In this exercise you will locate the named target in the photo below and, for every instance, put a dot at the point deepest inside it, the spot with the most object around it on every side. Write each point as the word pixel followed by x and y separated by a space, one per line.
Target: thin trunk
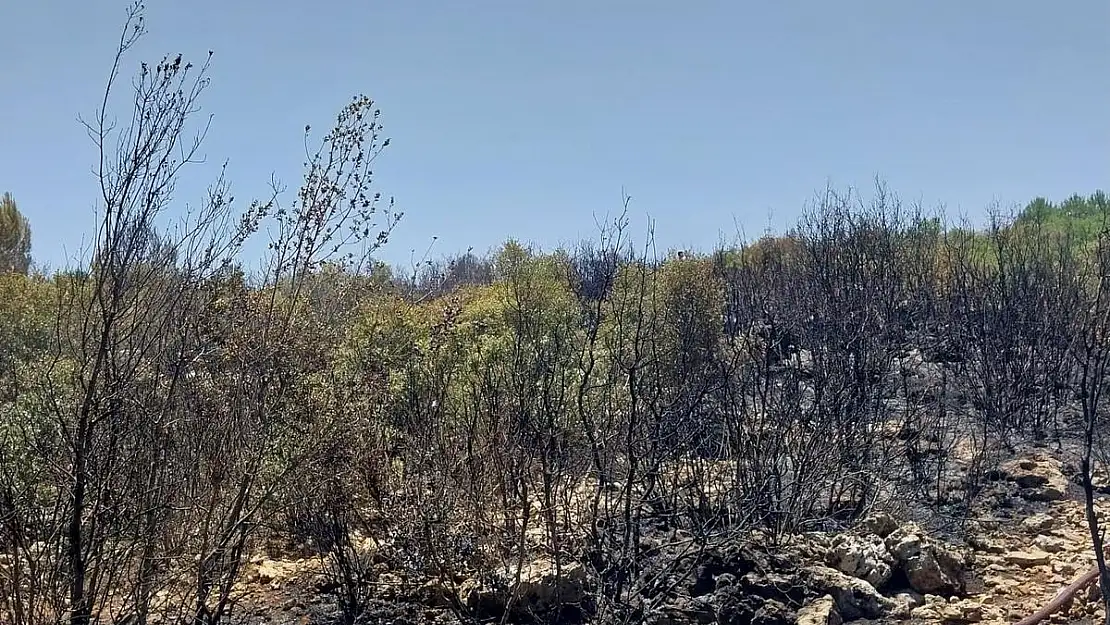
pixel 79 610
pixel 1091 397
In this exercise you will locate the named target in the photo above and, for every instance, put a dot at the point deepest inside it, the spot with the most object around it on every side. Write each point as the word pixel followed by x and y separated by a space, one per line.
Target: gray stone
pixel 820 611
pixel 1040 477
pixel 854 597
pixel 865 557
pixel 930 567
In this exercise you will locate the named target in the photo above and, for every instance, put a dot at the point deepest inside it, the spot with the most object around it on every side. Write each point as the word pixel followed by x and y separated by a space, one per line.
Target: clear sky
pixel 527 118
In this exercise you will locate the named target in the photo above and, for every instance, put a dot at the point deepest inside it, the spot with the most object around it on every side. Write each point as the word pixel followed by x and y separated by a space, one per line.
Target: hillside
pixel 875 416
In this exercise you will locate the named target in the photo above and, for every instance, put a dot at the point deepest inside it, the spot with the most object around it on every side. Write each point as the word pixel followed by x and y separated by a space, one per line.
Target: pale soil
pixel 1021 557
pixel 1025 560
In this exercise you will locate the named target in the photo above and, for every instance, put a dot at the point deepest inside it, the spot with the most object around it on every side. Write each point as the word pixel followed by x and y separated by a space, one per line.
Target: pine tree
pixel 15 238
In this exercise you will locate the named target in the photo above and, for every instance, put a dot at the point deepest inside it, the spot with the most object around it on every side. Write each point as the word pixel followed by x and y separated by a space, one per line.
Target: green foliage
pixel 387 336
pixel 1082 217
pixel 27 316
pixel 15 237
pixel 693 305
pixel 499 392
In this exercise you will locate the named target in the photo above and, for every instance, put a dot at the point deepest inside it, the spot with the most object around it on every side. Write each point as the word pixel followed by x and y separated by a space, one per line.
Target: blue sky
pixel 526 119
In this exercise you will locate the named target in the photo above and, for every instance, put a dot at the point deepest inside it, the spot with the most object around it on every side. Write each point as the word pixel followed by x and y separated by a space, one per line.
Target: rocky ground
pixel 1025 542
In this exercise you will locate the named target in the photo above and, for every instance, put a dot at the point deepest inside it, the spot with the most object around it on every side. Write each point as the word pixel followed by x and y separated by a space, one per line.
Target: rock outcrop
pixel 854 597
pixel 884 549
pixel 820 611
pixel 1039 476
pixel 539 588
pixel 865 557
pixel 930 567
